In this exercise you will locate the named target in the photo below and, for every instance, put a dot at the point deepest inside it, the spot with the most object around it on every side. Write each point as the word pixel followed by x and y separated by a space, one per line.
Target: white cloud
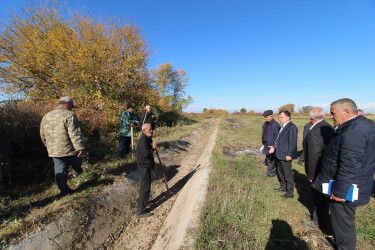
pixel 331 96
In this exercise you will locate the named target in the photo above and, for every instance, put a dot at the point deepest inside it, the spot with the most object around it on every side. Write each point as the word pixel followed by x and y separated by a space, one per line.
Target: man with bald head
pixel 145 162
pixel 317 138
pixel 348 159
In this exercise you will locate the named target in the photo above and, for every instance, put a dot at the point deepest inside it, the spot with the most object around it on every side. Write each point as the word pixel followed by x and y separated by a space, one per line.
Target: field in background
pixel 243 212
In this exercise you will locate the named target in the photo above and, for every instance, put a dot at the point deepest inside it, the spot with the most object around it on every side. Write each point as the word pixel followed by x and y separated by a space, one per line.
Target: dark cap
pixel 129 106
pixel 65 100
pixel 267 113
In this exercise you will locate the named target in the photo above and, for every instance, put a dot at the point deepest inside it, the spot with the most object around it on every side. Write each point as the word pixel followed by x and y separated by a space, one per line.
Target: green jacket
pixel 61 133
pixel 125 120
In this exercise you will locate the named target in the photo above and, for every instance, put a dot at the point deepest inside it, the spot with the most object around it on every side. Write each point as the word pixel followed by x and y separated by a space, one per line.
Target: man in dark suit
pixel 348 159
pixel 361 112
pixel 306 130
pixel 317 138
pixel 270 130
pixel 285 149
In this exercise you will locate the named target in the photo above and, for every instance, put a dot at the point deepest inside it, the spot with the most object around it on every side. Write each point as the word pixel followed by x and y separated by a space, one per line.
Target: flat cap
pixel 129 106
pixel 66 99
pixel 267 113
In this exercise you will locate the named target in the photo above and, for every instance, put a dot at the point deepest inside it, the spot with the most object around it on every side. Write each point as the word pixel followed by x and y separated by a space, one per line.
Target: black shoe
pixel 279 190
pixel 143 215
pixel 269 176
pixel 69 191
pixel 310 224
pixel 151 205
pixel 286 196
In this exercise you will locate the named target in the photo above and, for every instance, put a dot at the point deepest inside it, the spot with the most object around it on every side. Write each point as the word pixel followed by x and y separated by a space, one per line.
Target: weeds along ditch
pixel 27 207
pixel 242 211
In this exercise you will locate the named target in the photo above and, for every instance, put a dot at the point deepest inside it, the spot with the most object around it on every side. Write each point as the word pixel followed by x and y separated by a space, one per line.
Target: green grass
pixel 243 212
pixel 32 210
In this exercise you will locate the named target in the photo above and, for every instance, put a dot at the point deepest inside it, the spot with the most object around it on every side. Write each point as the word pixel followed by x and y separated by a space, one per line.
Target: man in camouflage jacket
pixel 127 120
pixel 62 135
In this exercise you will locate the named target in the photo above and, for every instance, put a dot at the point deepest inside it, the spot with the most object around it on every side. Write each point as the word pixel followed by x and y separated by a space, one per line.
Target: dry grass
pixel 243 212
pixel 29 213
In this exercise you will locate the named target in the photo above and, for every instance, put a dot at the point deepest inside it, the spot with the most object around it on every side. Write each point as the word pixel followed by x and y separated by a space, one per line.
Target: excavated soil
pixel 108 221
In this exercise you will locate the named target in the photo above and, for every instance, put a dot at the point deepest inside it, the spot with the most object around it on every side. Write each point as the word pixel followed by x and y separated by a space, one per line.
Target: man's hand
pixel 288 158
pixel 272 149
pixel 333 197
pixel 310 180
pixel 154 145
pixel 81 153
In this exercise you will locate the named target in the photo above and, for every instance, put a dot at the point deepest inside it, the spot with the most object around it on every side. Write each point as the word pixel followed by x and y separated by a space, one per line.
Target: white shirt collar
pixel 315 123
pixel 285 123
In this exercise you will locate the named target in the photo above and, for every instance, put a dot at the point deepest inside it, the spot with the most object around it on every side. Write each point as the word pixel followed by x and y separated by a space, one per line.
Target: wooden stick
pixel 162 170
pixel 132 139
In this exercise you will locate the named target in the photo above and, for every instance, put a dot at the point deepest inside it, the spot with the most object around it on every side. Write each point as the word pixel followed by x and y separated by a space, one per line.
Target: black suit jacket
pixel 313 147
pixel 286 143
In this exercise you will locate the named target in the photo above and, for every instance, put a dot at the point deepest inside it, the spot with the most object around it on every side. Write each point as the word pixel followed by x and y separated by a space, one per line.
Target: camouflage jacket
pixel 125 120
pixel 61 133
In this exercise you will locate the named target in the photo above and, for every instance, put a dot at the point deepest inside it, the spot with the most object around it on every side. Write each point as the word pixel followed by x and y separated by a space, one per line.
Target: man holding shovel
pixel 145 162
pixel 127 121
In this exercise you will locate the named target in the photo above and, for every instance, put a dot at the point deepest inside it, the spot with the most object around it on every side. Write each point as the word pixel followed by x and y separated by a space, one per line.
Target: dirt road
pixel 108 220
pixel 175 216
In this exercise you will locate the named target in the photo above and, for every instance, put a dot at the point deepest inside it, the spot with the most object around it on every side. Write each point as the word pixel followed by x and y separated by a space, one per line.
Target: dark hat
pixel 267 113
pixel 65 100
pixel 129 106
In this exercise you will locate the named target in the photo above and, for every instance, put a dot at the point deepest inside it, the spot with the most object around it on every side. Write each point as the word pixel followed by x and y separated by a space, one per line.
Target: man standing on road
pixel 318 137
pixel 127 120
pixel 285 149
pixel 62 135
pixel 348 159
pixel 148 117
pixel 145 162
pixel 270 130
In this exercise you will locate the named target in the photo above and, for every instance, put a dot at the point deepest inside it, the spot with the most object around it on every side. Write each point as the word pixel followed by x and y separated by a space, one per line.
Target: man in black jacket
pixel 318 137
pixel 348 159
pixel 148 117
pixel 285 149
pixel 145 162
pixel 270 130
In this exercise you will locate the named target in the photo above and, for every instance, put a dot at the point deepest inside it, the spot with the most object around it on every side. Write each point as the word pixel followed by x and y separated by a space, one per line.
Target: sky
pixel 256 54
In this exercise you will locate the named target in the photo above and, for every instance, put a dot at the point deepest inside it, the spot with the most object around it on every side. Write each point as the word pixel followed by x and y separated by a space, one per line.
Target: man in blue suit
pixel 285 149
pixel 348 159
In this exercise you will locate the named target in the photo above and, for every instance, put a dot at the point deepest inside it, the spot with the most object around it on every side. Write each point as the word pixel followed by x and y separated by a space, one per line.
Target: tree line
pixel 49 51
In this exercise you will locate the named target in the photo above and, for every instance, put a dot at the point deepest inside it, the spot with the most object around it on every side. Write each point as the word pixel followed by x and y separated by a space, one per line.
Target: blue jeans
pixel 61 167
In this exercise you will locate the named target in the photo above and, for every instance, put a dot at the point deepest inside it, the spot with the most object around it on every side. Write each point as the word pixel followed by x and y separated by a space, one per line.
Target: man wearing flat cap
pixel 62 135
pixel 127 120
pixel 270 130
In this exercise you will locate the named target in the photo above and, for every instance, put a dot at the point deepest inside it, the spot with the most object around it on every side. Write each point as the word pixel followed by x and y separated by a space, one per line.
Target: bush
pixel 24 159
pixel 287 107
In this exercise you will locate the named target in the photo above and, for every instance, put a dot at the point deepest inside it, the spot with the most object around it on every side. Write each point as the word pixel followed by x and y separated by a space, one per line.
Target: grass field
pixel 243 212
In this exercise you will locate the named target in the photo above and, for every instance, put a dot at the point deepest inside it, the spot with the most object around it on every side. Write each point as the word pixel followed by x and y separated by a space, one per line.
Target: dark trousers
pixel 124 148
pixel 343 224
pixel 285 176
pixel 144 191
pixel 320 214
pixel 61 167
pixel 271 166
